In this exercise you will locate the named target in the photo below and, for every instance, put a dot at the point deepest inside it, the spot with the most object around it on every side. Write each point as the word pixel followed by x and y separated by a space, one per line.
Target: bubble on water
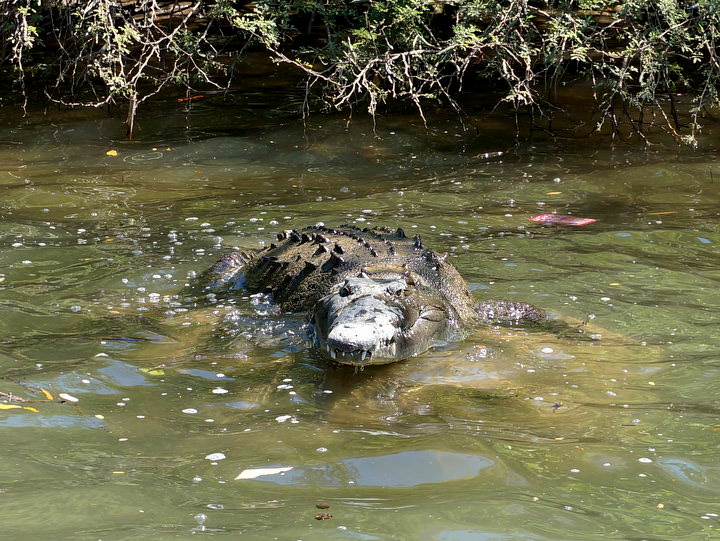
pixel 200 518
pixel 75 308
pixel 215 456
pixel 645 460
pixel 16 244
pixel 190 411
pixel 322 449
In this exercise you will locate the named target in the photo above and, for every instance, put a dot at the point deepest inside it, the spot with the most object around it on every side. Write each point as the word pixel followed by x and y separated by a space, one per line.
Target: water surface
pixel 512 434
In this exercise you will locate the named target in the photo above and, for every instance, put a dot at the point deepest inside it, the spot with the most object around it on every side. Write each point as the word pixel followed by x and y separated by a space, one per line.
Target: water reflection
pixel 406 469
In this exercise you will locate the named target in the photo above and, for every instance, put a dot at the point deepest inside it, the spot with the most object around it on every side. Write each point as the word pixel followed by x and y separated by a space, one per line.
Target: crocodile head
pixel 378 320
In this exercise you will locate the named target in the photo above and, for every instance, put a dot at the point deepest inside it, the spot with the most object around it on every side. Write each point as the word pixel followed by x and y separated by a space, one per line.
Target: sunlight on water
pixel 138 412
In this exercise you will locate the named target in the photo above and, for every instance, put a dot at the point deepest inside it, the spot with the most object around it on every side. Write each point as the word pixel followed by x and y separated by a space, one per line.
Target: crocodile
pixel 374 296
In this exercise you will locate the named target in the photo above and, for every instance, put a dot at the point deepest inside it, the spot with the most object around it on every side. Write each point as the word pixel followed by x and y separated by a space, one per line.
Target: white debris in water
pixel 190 411
pixel 219 390
pixel 605 299
pixel 283 418
pixel 253 473
pixel 191 219
pixel 645 460
pixel 322 449
pixel 547 350
pixel 27 262
pixel 215 456
pixel 75 308
pixel 68 397
pixel 16 244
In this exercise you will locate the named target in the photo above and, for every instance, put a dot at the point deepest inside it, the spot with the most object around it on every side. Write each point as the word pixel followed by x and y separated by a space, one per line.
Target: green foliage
pixel 638 54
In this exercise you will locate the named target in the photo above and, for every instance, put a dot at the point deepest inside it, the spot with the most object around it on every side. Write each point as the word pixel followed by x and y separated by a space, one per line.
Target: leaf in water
pixel 46 394
pixel 154 371
pixel 112 152
pixel 9 407
pixel 556 219
pixel 30 408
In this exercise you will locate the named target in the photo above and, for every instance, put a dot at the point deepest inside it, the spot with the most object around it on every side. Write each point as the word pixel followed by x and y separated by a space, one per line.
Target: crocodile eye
pixel 344 291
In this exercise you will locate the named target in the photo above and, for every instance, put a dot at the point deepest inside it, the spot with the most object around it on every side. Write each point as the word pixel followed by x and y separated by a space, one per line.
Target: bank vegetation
pixel 646 63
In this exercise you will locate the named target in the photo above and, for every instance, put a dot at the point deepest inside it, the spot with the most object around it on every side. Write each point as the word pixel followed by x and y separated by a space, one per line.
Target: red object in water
pixel 556 219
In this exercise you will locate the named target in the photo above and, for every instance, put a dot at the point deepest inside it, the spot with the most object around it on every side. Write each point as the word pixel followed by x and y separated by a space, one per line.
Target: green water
pixel 512 434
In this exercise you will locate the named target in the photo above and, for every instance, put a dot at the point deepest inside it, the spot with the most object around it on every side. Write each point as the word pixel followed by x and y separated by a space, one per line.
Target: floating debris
pixel 253 473
pixel 556 219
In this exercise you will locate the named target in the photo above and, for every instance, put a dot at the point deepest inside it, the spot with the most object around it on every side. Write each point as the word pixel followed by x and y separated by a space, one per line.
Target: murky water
pixel 511 434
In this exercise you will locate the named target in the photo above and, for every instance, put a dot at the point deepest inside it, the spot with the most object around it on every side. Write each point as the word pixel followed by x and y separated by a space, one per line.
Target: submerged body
pixel 375 296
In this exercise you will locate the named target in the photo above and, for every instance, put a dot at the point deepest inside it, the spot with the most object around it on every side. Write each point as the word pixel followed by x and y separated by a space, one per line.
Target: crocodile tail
pixel 509 312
